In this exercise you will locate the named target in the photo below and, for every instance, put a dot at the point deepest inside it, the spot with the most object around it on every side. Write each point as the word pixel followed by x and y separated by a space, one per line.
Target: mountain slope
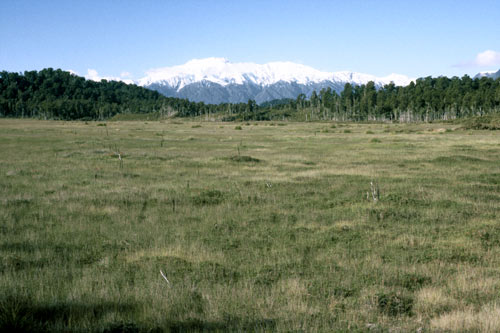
pixel 491 75
pixel 216 80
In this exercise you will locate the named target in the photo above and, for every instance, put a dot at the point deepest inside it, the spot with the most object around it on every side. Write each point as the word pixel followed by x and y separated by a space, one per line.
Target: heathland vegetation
pixel 263 226
pixel 55 94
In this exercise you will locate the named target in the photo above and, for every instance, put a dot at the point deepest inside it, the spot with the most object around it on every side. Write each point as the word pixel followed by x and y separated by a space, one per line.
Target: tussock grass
pixel 487 319
pixel 432 301
pixel 278 238
pixel 244 158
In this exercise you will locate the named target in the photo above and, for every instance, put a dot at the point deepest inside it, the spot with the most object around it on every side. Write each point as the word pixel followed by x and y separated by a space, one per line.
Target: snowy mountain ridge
pixel 488 74
pixel 221 71
pixel 217 80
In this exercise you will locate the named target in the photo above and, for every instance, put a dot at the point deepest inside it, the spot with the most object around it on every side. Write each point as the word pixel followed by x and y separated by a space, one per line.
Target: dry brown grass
pixel 431 301
pixel 487 319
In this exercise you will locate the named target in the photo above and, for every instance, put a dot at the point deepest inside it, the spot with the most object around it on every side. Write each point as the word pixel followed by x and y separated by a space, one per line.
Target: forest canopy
pixel 56 94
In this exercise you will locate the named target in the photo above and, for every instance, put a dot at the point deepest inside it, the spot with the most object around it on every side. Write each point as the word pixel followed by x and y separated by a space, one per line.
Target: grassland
pixel 265 227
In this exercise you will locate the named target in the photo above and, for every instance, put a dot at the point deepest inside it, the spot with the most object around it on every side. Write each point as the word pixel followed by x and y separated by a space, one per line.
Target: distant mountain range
pixel 216 80
pixel 491 75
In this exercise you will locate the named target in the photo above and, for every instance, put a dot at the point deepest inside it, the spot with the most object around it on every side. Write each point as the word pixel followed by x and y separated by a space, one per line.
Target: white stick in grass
pixel 164 276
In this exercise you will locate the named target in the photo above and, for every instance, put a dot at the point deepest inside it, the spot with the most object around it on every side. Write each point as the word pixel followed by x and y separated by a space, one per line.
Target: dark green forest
pixel 56 94
pixel 427 99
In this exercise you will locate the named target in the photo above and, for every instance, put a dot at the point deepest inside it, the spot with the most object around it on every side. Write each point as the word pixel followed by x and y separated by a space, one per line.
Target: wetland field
pixel 259 226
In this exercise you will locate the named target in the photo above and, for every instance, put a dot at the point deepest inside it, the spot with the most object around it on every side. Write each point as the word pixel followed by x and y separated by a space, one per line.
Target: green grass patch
pixel 244 158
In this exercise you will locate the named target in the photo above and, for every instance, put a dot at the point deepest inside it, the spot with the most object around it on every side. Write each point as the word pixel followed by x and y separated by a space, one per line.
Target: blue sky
pixel 127 38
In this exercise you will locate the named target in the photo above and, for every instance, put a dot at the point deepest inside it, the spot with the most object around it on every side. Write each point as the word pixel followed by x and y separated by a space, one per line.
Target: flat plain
pixel 257 226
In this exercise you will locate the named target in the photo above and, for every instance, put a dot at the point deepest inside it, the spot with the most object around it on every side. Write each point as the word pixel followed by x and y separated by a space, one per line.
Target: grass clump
pixel 410 281
pixel 432 301
pixel 239 128
pixel 18 315
pixel 122 327
pixel 244 158
pixel 395 303
pixel 208 197
pixel 486 319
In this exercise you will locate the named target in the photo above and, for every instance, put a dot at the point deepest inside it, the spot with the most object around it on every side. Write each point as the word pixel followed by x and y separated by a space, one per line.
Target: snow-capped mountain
pixel 492 74
pixel 216 80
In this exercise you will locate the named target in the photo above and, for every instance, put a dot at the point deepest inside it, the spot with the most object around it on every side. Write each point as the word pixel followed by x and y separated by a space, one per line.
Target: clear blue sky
pixel 415 38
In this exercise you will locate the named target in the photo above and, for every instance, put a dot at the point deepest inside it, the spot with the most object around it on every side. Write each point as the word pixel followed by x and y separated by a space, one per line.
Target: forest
pixel 56 94
pixel 425 100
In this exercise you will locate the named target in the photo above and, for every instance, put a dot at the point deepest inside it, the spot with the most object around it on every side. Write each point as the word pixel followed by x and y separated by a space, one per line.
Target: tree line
pixel 426 99
pixel 56 94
